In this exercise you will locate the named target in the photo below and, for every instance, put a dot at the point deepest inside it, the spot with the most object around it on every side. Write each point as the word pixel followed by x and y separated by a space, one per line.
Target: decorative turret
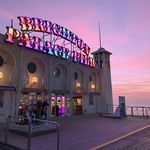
pixel 102 60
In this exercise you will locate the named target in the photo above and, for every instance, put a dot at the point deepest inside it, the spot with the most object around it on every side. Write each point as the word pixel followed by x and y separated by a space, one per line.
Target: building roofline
pixel 101 50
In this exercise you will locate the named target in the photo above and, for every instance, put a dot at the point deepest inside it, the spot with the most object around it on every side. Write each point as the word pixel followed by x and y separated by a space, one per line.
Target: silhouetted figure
pixel 57 110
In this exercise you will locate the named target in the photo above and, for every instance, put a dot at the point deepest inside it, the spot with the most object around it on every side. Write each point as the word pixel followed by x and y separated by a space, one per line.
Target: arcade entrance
pixel 30 95
pixel 77 105
pixel 60 105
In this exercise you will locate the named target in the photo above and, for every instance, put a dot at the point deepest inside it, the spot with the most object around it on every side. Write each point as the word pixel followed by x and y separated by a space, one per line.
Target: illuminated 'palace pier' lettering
pixel 34 24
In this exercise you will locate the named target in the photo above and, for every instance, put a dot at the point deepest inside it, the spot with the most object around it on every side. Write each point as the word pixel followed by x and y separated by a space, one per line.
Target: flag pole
pixel 99 34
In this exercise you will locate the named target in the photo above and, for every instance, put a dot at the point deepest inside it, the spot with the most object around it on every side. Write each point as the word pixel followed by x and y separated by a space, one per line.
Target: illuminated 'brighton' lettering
pixel 35 24
pixel 24 39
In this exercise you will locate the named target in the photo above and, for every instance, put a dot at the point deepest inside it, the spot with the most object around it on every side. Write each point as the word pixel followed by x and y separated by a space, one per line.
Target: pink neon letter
pixel 36 43
pixel 11 34
pixel 76 56
pixel 26 23
pixel 80 43
pixel 38 25
pixel 86 49
pixel 56 29
pixel 25 40
pixel 48 26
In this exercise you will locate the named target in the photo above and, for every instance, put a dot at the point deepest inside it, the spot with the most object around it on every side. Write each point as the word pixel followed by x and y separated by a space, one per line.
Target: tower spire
pixel 11 23
pixel 99 34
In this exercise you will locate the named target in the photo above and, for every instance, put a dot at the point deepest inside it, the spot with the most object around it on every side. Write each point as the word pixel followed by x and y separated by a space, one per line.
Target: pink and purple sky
pixel 125 31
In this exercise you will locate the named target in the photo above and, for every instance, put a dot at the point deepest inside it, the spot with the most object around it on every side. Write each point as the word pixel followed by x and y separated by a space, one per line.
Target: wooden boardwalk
pixel 136 141
pixel 81 133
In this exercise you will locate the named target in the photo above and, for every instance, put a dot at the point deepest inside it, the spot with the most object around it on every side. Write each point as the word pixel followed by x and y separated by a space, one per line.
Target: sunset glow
pixel 124 31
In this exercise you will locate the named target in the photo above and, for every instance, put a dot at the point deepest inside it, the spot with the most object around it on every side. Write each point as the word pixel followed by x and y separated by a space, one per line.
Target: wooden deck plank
pixel 137 141
pixel 83 133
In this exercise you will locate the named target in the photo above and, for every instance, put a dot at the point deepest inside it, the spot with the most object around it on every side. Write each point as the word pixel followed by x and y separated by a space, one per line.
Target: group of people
pixel 35 110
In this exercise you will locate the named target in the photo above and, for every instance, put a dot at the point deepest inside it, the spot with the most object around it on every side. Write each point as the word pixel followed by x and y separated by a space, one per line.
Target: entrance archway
pixel 77 105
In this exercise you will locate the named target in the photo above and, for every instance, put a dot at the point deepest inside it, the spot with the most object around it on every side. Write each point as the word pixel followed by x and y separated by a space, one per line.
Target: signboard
pixel 36 25
pixel 7 88
pixel 122 106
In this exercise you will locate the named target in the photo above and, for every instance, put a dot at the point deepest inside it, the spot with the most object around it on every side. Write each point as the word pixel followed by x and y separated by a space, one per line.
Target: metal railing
pixel 30 123
pixel 140 111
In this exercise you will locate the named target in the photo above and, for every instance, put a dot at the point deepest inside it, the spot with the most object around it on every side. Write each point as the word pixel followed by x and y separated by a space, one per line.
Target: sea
pixel 129 102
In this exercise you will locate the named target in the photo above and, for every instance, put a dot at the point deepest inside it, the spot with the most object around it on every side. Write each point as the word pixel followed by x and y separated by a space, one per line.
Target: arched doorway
pixel 77 105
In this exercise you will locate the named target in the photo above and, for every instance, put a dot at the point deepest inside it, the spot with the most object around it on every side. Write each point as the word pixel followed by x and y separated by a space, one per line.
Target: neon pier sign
pixel 79 51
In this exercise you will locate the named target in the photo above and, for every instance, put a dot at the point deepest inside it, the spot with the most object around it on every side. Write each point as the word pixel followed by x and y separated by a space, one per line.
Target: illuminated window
pixel 78 84
pixel 1 61
pixel 1 75
pixel 32 67
pixel 93 86
pixel 34 80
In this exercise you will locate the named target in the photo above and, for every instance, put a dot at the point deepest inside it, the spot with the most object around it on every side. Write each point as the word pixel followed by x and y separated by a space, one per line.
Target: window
pixel 57 72
pixel 78 85
pixel 93 87
pixel 75 76
pixel 90 78
pixel 108 64
pixel 101 63
pixel 91 99
pixel 1 99
pixel 1 61
pixel 32 67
